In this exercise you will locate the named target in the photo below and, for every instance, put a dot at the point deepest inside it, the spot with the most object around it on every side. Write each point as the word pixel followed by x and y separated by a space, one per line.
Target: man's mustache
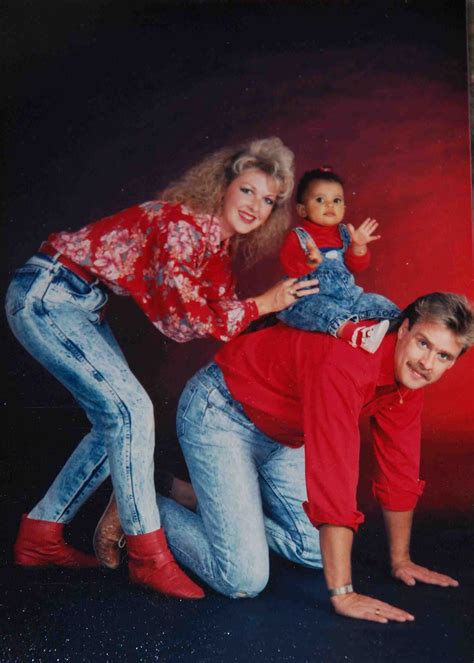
pixel 419 369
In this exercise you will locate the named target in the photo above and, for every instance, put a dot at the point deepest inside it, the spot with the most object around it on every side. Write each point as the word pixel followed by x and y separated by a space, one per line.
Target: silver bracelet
pixel 339 591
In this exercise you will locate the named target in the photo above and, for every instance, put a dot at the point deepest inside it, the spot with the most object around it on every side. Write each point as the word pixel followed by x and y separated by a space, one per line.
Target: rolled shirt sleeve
pixel 396 431
pixel 331 407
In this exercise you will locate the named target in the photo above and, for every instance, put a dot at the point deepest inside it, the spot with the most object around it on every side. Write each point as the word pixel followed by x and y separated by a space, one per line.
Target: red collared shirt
pixel 294 260
pixel 171 261
pixel 305 387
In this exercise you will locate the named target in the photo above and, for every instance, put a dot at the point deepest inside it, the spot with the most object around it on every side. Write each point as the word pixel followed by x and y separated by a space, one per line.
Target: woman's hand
pixel 283 294
pixel 359 606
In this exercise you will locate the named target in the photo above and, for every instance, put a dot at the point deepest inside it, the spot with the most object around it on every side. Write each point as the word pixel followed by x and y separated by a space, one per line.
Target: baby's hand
pixel 364 233
pixel 313 256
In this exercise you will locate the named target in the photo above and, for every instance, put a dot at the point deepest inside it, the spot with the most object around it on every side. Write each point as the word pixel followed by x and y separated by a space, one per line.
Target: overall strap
pixel 304 238
pixel 345 236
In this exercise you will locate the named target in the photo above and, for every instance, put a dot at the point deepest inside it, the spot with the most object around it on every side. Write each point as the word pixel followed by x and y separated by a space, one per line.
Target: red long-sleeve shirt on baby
pixel 294 259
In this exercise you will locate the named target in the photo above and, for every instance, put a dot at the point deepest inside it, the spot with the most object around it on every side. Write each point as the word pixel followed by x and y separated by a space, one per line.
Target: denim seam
pixel 376 313
pixel 218 574
pixel 221 570
pixel 79 356
pixel 288 509
pixel 241 422
pixel 84 484
pixel 179 553
pixel 225 565
pixel 33 273
pixel 286 538
pixel 230 403
pixel 216 580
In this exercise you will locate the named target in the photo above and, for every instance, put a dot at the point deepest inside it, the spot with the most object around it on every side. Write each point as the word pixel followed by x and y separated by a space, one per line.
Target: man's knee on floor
pixel 246 582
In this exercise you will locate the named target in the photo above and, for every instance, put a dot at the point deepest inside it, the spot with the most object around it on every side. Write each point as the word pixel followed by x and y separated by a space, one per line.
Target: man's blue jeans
pixel 56 316
pixel 250 491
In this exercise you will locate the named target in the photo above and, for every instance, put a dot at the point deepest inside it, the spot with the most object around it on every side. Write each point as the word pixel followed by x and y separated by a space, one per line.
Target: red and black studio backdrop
pixel 393 120
pixel 106 107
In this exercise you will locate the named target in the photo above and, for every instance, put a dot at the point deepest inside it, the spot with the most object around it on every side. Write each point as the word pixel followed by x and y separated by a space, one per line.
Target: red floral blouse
pixel 171 261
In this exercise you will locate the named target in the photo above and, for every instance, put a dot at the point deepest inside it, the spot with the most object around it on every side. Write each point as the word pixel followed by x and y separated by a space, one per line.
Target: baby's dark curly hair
pixel 324 173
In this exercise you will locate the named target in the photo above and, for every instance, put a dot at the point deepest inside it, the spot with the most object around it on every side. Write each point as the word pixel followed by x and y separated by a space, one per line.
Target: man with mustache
pixel 272 427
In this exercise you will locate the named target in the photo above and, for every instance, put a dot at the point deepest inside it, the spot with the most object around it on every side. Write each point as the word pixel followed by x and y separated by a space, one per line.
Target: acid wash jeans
pixel 339 299
pixel 56 316
pixel 250 491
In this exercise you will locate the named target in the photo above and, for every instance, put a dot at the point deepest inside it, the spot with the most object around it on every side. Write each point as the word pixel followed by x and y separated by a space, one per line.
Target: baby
pixel 323 247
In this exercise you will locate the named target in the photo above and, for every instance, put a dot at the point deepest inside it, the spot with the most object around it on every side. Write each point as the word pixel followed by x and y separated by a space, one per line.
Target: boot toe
pixel 151 564
pixel 40 543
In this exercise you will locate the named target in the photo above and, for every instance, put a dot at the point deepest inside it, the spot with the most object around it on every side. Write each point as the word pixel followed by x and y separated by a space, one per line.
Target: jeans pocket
pixel 231 409
pixel 68 282
pixel 199 409
pixel 19 288
pixel 186 410
pixel 68 289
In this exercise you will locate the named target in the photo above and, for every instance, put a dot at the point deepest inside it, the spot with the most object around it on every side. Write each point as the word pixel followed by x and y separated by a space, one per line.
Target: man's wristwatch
pixel 339 591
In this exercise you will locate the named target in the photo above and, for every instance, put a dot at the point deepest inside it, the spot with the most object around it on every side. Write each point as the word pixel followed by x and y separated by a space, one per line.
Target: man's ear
pixel 301 210
pixel 402 330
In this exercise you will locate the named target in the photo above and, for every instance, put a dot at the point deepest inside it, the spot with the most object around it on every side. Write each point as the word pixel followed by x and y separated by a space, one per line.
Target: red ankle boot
pixel 41 543
pixel 151 563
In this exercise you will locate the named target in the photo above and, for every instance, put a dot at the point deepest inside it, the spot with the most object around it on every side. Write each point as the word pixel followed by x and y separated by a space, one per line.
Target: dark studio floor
pixel 97 615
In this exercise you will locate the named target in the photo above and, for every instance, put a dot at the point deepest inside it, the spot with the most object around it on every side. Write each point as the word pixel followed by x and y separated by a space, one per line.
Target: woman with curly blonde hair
pixel 202 187
pixel 173 256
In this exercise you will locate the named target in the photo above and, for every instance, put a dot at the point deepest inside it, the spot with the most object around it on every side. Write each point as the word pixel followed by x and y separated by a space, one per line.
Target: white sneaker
pixel 370 338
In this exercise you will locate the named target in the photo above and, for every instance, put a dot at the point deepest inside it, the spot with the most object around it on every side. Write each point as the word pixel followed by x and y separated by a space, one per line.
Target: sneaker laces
pixel 365 333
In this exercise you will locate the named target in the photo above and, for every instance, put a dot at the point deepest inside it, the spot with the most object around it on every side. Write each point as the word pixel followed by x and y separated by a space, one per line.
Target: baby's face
pixel 323 203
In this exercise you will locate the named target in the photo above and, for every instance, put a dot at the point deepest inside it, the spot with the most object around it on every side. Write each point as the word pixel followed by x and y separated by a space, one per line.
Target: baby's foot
pixel 369 337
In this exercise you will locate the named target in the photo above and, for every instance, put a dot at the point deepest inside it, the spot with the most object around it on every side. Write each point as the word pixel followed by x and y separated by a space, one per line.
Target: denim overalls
pixel 56 316
pixel 339 298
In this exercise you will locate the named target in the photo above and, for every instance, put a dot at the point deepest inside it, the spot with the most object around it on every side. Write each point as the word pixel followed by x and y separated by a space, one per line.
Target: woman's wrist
pixel 261 304
pixel 254 310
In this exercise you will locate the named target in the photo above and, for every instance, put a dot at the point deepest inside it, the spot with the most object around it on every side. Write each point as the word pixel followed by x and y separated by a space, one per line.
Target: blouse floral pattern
pixel 171 261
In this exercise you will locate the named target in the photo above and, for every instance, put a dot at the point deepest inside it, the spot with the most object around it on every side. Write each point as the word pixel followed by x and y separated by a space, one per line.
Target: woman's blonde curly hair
pixel 203 186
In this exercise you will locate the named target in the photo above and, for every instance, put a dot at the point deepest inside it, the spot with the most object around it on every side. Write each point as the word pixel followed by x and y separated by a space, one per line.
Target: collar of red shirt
pixel 325 233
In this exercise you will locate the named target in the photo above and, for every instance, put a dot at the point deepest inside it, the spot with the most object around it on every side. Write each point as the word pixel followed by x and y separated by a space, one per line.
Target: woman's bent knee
pixel 143 409
pixel 128 409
